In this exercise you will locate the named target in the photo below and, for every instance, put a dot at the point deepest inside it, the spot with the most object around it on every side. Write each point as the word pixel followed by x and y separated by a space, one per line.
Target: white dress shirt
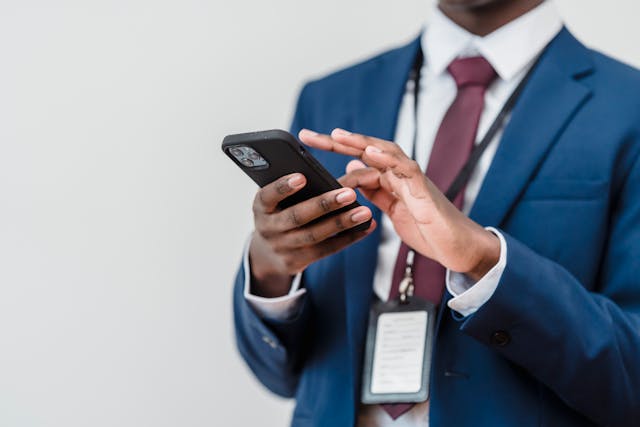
pixel 511 50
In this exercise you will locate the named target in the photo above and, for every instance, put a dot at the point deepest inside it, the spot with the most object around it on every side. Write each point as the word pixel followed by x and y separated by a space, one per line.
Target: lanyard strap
pixel 463 176
pixel 406 287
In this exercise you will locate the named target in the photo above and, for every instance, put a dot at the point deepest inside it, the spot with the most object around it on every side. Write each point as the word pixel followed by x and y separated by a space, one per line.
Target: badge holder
pixel 397 360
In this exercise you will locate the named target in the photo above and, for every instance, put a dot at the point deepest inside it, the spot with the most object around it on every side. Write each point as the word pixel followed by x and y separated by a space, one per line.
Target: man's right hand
pixel 284 243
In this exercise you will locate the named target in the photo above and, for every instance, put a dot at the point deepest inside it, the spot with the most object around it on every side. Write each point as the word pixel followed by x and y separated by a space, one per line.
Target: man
pixel 539 322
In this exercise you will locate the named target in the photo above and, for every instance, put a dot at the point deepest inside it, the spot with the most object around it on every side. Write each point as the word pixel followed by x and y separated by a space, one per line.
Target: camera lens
pixel 254 155
pixel 236 152
pixel 247 162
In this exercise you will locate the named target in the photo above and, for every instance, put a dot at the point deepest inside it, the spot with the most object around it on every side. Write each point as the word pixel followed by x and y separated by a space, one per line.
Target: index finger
pixel 348 143
pixel 327 143
pixel 270 195
pixel 366 143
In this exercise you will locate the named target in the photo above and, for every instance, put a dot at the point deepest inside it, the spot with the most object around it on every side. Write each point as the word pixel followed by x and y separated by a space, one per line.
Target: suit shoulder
pixel 616 76
pixel 616 88
pixel 345 79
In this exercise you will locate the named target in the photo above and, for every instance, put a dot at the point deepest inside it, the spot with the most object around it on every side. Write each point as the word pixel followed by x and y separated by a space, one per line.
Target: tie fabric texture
pixel 451 149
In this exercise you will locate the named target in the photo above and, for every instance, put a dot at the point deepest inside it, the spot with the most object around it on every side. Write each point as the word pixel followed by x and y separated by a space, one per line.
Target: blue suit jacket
pixel 564 188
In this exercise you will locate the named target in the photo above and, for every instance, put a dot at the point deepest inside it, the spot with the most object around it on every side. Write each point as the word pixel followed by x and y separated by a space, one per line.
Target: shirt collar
pixel 509 49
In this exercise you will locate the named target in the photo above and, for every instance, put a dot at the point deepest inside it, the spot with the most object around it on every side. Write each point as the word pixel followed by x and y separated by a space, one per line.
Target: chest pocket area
pixel 565 189
pixel 564 220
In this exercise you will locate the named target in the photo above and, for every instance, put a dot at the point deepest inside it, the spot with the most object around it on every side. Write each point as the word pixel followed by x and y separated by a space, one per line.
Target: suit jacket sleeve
pixel 273 349
pixel 542 318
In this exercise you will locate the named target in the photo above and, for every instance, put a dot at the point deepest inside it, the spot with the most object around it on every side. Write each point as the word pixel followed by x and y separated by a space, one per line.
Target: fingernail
pixel 341 132
pixel 295 181
pixel 360 216
pixel 372 149
pixel 308 132
pixel 345 196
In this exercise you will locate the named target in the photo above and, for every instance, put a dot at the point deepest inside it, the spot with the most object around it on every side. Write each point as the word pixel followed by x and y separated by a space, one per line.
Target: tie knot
pixel 473 71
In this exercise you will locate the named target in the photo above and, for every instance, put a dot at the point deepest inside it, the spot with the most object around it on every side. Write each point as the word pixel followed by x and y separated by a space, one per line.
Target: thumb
pixel 355 165
pixel 364 178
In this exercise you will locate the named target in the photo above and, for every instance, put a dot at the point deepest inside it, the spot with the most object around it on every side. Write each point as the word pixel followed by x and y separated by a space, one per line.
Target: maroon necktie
pixel 451 149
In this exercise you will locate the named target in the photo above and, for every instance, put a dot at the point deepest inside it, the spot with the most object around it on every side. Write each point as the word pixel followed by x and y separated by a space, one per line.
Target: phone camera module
pixel 248 157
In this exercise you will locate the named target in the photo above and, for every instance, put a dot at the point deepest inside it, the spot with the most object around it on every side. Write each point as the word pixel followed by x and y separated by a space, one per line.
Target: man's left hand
pixel 422 216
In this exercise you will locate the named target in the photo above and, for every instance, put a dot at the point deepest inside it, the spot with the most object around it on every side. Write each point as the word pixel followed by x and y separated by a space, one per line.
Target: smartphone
pixel 268 155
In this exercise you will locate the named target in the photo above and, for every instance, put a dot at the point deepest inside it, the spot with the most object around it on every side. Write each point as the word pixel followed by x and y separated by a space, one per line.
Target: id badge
pixel 397 362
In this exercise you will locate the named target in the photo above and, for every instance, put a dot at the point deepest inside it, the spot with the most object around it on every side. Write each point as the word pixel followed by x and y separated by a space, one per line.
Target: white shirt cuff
pixel 469 296
pixel 279 308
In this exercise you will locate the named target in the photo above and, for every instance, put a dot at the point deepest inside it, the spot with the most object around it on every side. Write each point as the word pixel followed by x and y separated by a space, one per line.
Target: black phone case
pixel 285 155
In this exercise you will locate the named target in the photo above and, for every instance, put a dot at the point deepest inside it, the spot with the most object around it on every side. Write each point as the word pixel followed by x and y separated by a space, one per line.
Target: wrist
pixel 489 255
pixel 271 286
pixel 266 281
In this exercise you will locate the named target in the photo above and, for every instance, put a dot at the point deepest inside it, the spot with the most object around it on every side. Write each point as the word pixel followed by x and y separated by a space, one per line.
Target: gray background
pixel 121 224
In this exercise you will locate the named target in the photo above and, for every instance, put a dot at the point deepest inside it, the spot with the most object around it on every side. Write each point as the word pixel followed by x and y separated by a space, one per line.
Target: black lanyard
pixel 406 287
pixel 465 173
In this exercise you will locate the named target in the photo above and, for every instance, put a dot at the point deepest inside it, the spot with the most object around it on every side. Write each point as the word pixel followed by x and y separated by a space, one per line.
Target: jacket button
pixel 500 338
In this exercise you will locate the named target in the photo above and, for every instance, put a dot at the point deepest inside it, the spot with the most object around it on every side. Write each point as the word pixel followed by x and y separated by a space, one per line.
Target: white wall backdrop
pixel 121 223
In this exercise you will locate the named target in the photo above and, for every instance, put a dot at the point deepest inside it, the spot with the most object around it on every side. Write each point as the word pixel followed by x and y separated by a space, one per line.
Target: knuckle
pixel 258 202
pixel 400 157
pixel 282 187
pixel 294 218
pixel 339 223
pixel 393 149
pixel 264 226
pixel 305 238
pixel 281 222
pixel 325 204
pixel 261 228
pixel 309 237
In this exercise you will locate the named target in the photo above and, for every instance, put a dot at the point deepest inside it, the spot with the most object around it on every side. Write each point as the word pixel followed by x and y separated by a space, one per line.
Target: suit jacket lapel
pixel 378 98
pixel 552 96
